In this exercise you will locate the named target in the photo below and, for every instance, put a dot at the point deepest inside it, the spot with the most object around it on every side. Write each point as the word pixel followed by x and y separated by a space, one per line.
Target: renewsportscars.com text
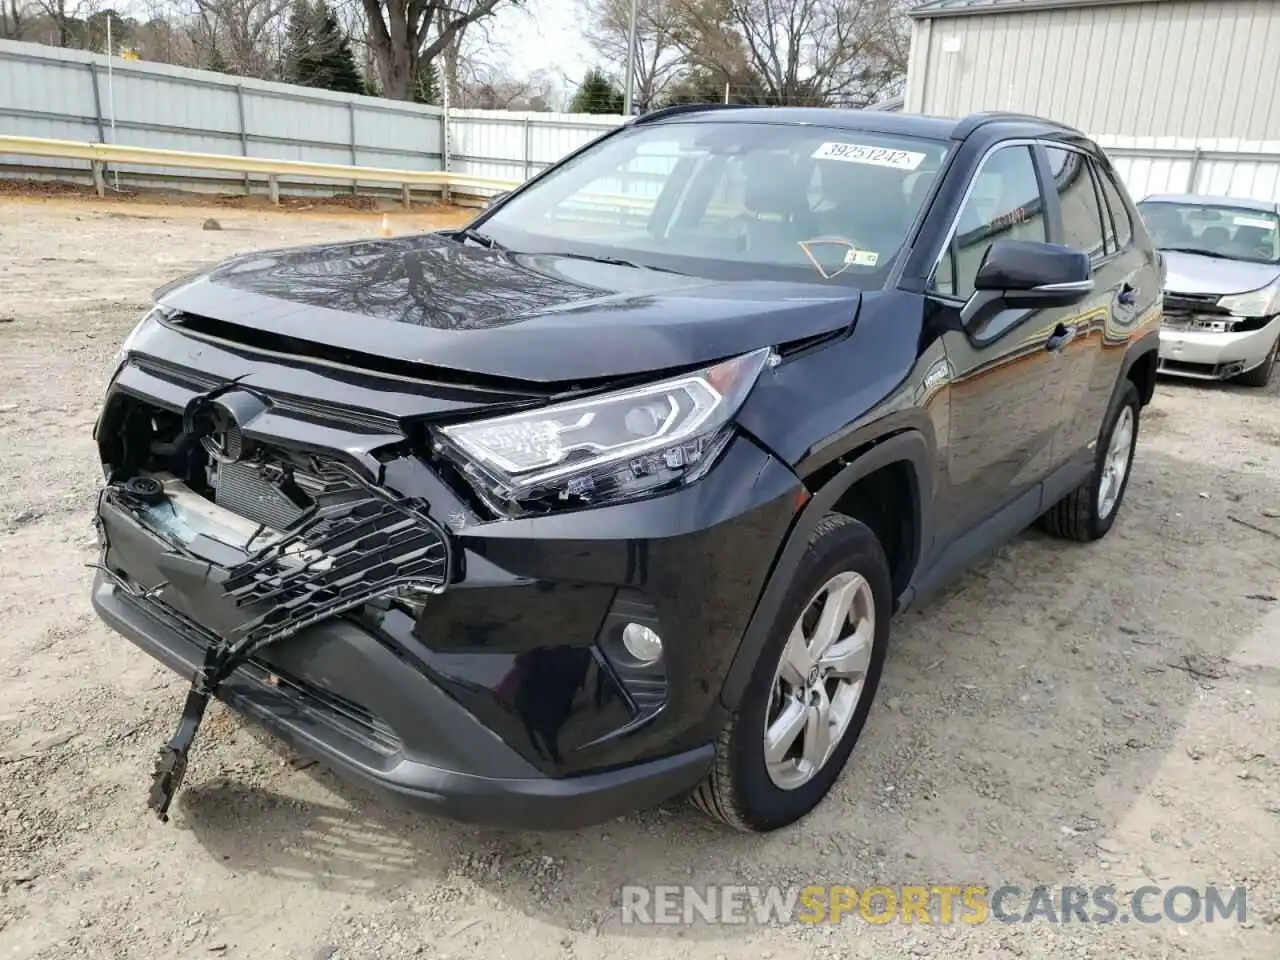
pixel 930 904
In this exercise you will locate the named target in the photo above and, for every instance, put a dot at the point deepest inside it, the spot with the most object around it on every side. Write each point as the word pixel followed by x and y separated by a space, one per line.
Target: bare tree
pixel 247 34
pixel 403 34
pixel 835 52
pixel 494 88
pixel 67 16
pixel 163 36
pixel 13 19
pixel 659 56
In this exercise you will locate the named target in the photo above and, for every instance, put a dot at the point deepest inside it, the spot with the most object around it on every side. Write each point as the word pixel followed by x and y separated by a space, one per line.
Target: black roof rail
pixel 973 121
pixel 676 109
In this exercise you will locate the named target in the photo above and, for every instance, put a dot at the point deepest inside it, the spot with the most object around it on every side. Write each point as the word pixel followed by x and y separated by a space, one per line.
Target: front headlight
pixel 127 344
pixel 1255 303
pixel 609 447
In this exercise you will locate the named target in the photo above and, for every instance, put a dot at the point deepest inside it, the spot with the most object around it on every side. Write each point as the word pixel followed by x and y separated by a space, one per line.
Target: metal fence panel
pixel 514 145
pixel 74 95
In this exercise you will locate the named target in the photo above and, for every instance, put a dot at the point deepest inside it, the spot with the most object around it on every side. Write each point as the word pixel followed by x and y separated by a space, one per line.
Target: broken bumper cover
pixel 501 698
pixel 474 778
pixel 1215 356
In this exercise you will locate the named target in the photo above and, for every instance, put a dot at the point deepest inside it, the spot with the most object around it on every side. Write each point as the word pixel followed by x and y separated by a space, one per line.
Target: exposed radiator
pixel 243 490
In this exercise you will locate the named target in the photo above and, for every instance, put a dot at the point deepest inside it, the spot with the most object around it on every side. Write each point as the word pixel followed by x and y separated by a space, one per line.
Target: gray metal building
pixel 1186 69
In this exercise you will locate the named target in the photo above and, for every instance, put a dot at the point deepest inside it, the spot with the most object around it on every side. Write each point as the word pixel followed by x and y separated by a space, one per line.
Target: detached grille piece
pixel 341 556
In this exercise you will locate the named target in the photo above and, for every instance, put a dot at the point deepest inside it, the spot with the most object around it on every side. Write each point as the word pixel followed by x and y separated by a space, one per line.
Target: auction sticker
pixel 861 258
pixel 871 156
pixel 1259 222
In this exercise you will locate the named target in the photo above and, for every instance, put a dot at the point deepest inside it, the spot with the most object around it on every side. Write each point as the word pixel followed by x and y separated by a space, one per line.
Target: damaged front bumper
pixel 1206 355
pixel 421 747
pixel 252 586
pixel 489 688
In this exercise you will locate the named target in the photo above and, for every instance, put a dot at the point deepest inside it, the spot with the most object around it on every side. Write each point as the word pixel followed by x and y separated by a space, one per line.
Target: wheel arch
pixel 908 448
pixel 1140 365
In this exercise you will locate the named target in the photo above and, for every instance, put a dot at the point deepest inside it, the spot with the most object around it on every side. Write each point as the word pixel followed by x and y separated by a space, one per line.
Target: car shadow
pixel 1021 715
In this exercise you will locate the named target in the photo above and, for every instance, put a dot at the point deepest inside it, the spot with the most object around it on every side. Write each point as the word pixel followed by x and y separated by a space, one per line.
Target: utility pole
pixel 631 62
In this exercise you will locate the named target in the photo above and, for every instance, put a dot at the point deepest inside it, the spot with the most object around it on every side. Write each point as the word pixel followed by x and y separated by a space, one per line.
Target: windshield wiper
pixel 475 236
pixel 1198 252
pixel 612 261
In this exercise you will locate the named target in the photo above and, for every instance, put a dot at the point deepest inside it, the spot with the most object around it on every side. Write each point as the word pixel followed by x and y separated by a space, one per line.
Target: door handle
pixel 1062 335
pixel 1128 295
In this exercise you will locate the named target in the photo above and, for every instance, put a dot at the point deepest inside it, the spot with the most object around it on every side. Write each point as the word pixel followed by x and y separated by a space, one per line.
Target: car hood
pixel 1192 273
pixel 434 301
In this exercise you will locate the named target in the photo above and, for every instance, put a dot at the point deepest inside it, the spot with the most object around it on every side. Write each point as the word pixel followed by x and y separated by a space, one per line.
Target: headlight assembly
pixel 1255 303
pixel 608 447
pixel 127 344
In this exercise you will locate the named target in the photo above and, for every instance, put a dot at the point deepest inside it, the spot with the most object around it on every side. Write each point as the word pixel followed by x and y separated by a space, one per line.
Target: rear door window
pixel 1082 214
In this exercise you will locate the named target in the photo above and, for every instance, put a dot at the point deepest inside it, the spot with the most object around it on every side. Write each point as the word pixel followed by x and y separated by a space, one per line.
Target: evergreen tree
pixel 597 94
pixel 341 73
pixel 300 56
pixel 427 87
pixel 317 52
pixel 217 63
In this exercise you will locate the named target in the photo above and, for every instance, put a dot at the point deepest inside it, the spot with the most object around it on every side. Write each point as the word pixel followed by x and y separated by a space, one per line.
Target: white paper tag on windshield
pixel 861 258
pixel 1253 222
pixel 872 156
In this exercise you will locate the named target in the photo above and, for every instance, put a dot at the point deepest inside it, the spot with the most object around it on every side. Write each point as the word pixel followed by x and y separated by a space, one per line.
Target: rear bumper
pixel 1215 356
pixel 510 793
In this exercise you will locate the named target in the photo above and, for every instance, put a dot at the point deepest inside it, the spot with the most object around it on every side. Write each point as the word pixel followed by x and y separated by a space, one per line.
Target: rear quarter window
pixel 1119 209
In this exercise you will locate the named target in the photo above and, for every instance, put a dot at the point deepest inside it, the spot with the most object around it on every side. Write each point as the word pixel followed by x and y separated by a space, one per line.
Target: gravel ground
pixel 1064 715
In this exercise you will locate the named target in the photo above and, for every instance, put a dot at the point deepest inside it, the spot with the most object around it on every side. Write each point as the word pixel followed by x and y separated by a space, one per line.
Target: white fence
pixel 1224 168
pixel 73 95
pixel 513 146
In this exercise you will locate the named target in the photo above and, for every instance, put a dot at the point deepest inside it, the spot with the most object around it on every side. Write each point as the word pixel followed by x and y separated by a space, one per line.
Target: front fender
pixel 908 446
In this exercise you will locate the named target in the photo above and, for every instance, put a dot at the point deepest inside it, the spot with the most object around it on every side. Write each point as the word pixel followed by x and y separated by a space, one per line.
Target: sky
pixel 545 36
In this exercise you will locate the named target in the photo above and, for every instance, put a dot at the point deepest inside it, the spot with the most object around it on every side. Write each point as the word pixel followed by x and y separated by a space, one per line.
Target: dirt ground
pixel 1064 715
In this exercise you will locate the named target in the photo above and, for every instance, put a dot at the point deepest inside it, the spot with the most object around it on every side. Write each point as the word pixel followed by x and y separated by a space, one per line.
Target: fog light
pixel 642 643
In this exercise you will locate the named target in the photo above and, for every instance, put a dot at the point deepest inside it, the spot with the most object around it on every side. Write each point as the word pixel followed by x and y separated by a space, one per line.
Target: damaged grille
pixel 340 557
pixel 1183 311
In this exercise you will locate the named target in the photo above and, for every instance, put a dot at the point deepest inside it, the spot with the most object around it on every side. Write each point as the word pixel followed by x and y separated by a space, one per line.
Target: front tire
pixel 1088 511
pixel 812 688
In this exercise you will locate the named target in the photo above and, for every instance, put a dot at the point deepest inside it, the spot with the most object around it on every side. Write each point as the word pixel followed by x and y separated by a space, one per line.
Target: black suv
pixel 609 496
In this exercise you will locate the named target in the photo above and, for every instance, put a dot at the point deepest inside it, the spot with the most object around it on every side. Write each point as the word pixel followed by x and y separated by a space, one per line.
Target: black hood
pixel 430 299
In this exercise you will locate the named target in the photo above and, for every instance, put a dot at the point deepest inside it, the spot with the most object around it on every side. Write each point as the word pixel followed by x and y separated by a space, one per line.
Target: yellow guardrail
pixel 101 154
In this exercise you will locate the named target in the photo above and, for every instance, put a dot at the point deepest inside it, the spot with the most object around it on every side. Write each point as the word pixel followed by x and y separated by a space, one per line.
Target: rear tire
pixel 800 691
pixel 1088 511
pixel 1260 375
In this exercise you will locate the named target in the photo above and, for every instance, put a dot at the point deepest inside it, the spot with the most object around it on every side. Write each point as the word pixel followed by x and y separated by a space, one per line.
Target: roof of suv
pixel 872 121
pixel 1204 200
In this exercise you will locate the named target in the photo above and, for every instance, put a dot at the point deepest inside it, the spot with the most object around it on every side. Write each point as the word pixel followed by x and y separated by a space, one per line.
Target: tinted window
pixel 1081 215
pixel 731 200
pixel 1218 229
pixel 1004 204
pixel 1119 209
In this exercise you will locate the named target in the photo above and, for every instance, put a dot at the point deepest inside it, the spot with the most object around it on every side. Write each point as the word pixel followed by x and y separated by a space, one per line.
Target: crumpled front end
pixel 278 533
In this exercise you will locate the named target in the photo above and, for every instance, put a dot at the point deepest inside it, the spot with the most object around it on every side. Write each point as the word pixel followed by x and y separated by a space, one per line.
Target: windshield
pixel 1235 233
pixel 731 200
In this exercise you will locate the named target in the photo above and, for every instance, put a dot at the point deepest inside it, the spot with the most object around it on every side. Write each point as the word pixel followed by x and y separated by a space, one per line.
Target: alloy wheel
pixel 1115 465
pixel 819 680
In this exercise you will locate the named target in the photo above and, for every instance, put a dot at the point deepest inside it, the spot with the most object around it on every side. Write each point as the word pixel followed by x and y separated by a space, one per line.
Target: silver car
pixel 1222 287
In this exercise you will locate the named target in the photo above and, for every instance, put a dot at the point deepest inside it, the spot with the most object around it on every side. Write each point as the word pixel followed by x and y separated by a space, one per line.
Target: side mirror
pixel 496 199
pixel 1028 274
